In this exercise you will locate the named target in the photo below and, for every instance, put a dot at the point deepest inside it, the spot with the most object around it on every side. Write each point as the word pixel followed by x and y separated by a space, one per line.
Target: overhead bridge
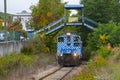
pixel 68 24
pixel 63 22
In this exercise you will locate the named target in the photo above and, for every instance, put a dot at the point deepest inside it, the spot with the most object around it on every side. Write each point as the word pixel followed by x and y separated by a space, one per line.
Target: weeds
pixel 94 65
pixel 8 62
pixel 29 49
pixel 104 52
pixel 86 74
pixel 104 66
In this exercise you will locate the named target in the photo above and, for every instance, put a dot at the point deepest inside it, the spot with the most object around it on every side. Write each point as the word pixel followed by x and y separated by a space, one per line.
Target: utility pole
pixel 5 11
pixel 5 20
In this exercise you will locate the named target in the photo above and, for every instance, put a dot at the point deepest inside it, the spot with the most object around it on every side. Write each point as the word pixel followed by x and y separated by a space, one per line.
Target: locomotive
pixel 69 49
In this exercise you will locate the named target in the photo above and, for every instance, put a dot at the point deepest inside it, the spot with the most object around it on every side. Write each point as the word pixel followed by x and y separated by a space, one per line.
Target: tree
pixel 16 26
pixel 1 22
pixel 46 12
pixel 102 10
pixel 104 34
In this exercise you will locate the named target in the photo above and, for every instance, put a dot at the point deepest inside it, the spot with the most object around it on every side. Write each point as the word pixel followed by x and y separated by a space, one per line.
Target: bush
pixel 97 62
pixel 29 49
pixel 86 53
pixel 12 61
pixel 89 72
pixel 104 34
pixel 86 74
pixel 100 62
pixel 104 52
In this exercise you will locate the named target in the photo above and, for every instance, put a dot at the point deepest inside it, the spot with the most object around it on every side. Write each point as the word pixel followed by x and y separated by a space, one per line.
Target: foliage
pixel 37 46
pixel 45 12
pixel 8 16
pixel 10 61
pixel 104 52
pixel 28 49
pixel 16 26
pixel 83 32
pixel 115 56
pixel 103 35
pixel 51 43
pixel 1 27
pixel 101 68
pixel 85 75
pixel 89 72
pixel 97 62
pixel 41 45
pixel 111 71
pixel 1 22
pixel 114 37
pixel 115 71
pixel 102 10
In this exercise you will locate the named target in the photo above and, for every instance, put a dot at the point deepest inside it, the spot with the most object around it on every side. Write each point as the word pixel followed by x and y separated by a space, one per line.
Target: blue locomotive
pixel 69 49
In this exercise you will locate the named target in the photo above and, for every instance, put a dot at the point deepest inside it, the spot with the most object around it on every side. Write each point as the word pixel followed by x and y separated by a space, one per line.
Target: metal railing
pixel 9 36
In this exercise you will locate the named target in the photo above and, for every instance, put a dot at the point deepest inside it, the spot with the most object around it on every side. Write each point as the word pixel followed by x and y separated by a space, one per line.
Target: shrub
pixel 26 60
pixel 86 53
pixel 104 34
pixel 97 62
pixel 100 62
pixel 104 52
pixel 116 55
pixel 28 49
pixel 89 72
pixel 12 61
pixel 85 74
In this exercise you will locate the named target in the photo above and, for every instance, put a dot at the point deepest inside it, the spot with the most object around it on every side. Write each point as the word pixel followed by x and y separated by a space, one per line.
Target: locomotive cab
pixel 69 49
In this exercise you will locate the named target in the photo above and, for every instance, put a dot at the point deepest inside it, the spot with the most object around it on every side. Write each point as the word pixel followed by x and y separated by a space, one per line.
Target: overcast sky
pixel 16 6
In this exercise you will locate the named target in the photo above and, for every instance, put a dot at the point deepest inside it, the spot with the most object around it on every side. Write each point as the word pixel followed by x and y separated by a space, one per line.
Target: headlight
pixel 68 34
pixel 61 55
pixel 75 54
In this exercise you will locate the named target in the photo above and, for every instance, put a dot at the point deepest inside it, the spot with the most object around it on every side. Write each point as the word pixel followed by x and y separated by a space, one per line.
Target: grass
pixel 8 62
pixel 19 64
pixel 102 68
pixel 112 70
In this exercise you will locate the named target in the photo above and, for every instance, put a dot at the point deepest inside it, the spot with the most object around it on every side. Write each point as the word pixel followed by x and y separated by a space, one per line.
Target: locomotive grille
pixel 67 57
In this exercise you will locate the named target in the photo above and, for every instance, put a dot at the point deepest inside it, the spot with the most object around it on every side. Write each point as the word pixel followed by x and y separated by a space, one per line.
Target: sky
pixel 16 6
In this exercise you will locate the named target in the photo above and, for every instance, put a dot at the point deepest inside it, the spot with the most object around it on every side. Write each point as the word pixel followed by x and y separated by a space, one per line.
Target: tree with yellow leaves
pixel 1 22
pixel 45 12
pixel 16 26
pixel 103 38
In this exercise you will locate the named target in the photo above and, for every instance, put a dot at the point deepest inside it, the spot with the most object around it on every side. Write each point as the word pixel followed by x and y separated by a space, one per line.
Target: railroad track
pixel 55 74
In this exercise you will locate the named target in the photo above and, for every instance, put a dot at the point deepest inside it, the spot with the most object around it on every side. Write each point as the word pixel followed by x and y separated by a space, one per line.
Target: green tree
pixel 104 34
pixel 102 10
pixel 46 12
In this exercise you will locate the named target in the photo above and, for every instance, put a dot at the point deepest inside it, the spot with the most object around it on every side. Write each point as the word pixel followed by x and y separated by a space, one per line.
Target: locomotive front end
pixel 69 57
pixel 69 49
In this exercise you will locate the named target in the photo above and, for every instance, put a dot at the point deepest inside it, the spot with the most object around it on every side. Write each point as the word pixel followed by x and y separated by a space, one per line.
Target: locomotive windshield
pixel 76 44
pixel 61 39
pixel 76 39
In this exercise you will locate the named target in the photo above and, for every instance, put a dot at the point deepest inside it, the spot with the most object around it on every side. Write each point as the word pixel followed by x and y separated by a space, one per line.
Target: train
pixel 69 49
